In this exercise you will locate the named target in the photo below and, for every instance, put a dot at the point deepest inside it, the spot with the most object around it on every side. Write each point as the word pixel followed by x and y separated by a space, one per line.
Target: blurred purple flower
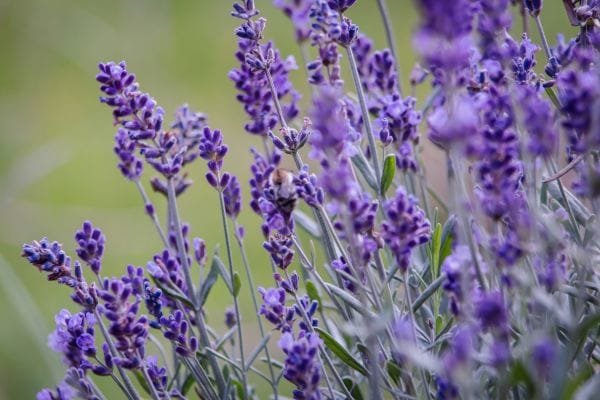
pixel 405 226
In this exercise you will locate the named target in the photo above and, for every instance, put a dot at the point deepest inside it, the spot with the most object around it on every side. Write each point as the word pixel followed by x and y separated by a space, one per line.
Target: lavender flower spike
pixel 405 226
pixel 91 246
pixel 302 366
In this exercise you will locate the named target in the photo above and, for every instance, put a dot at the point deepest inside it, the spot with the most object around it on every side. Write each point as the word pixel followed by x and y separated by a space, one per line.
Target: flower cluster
pixel 381 282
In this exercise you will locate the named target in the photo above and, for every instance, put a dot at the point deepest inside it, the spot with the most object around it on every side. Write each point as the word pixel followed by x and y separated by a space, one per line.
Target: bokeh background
pixel 57 167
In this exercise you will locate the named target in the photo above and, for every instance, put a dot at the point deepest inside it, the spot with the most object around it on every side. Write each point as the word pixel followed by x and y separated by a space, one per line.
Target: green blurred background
pixel 57 167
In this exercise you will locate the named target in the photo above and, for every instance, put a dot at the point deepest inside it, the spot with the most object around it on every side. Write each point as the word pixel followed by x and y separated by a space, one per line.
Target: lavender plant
pixel 394 291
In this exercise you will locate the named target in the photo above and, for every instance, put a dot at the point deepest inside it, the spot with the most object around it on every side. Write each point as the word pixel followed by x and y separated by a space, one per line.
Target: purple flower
pixel 494 18
pixel 132 109
pixel 499 172
pixel 579 91
pixel 75 385
pixel 48 257
pixel 340 5
pixel 302 364
pixel 91 246
pixel 256 60
pixel 523 61
pixel 534 6
pixel 166 268
pixel 62 392
pixel 177 330
pixel 543 354
pixel 339 184
pixel 74 337
pixel 280 248
pixel 456 123
pixel 491 311
pixel 274 309
pixel 405 226
pixel 539 119
pixel 213 150
pixel 152 297
pixel 189 126
pixel 443 38
pixel 458 274
pixel 232 195
pixel 289 284
pixel 455 360
pixel 299 13
pixel 129 331
pixel 130 165
pixel 230 318
pixel 158 375
pixel 325 71
pixel 400 120
pixel 327 21
pixel 308 188
pixel 200 251
pixel 382 71
pixel 292 139
pixel 332 133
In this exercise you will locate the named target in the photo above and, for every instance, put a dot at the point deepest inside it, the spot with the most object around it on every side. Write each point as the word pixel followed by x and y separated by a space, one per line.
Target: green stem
pixel 235 301
pixel 258 318
pixel 174 217
pixel 365 112
pixel 153 217
pixel 414 332
pixel 133 394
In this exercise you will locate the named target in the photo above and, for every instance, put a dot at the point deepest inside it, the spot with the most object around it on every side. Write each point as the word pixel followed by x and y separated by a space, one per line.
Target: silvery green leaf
pixel 208 282
pixel 341 352
pixel 307 223
pixel 361 163
pixel 261 345
pixel 223 272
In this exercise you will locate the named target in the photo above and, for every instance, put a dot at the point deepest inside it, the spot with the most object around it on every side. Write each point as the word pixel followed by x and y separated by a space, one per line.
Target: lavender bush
pixel 394 291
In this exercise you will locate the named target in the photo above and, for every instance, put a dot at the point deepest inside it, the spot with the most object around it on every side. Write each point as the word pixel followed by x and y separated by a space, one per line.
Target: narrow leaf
pixel 187 384
pixel 394 372
pixel 173 294
pixel 142 381
pixel 436 247
pixel 223 272
pixel 257 350
pixel 307 223
pixel 427 293
pixel 237 284
pixel 389 171
pixel 341 352
pixel 553 97
pixel 353 388
pixel 312 292
pixel 361 163
pixel 208 282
